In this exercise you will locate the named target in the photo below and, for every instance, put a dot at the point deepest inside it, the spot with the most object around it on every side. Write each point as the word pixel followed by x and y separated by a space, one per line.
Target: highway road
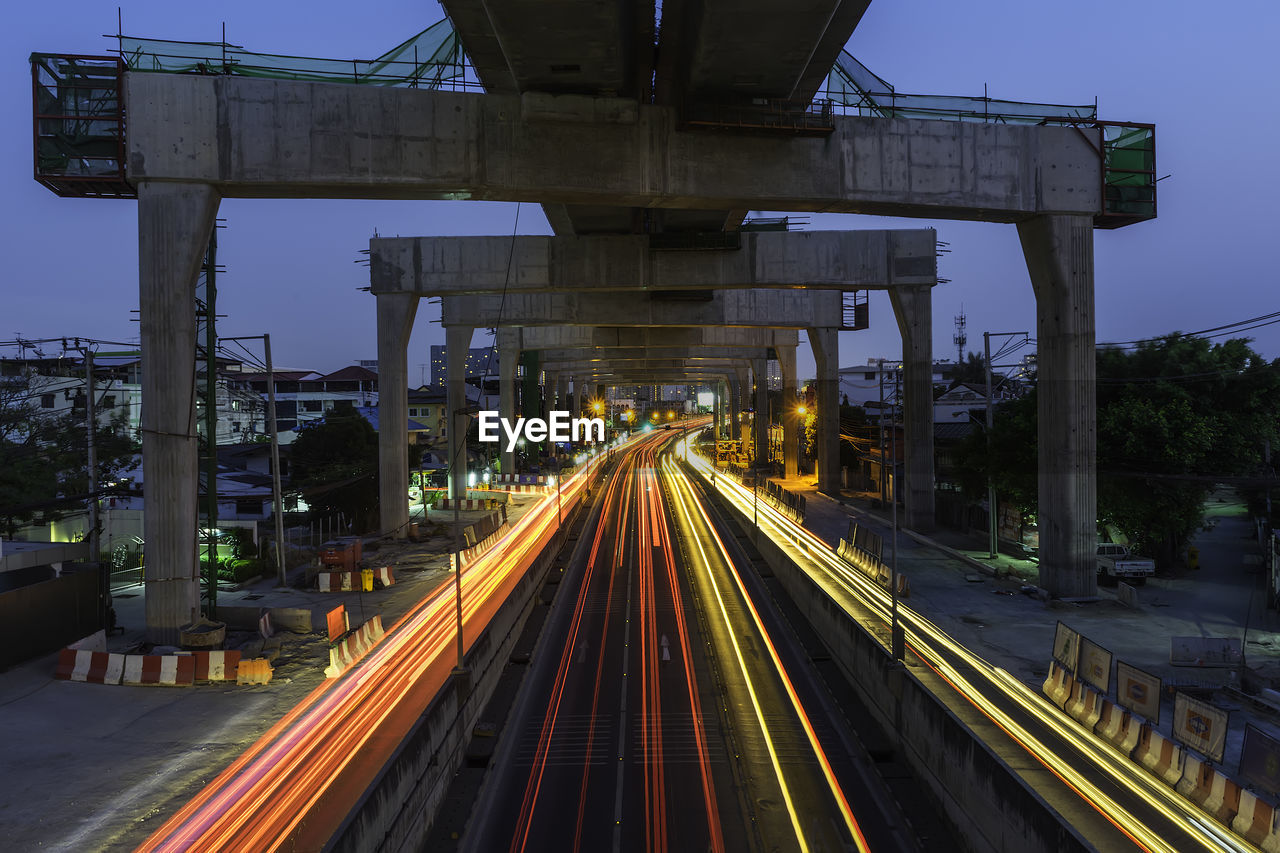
pixel 659 714
pixel 1111 802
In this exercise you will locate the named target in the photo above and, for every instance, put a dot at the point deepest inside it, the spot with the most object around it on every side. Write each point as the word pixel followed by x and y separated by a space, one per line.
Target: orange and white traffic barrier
pixel 1256 822
pixel 352 647
pixel 1057 685
pixel 1160 755
pixel 216 666
pixel 256 671
pixel 1085 705
pixel 338 581
pixel 89 666
pixel 1202 784
pixel 384 576
pixel 464 505
pixel 164 670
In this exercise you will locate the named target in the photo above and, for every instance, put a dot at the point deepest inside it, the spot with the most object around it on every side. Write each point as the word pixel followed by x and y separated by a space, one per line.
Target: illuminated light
pixel 924 640
pixel 802 410
pixel 471 478
pixel 486 476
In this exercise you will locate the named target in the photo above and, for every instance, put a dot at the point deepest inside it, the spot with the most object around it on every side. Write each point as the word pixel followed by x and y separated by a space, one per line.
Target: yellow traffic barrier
pixel 366 580
pixel 256 671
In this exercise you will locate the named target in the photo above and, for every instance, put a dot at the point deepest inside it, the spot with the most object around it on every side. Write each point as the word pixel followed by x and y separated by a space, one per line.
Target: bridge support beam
pixel 1059 254
pixel 826 352
pixel 913 308
pixel 174 224
pixel 789 416
pixel 396 313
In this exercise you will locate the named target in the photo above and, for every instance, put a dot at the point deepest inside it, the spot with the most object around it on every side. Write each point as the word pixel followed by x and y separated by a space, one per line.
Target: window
pixel 869 375
pixel 248 506
pixel 235 426
pixel 310 406
pixel 343 405
pixel 109 401
pixel 413 413
pixel 46 401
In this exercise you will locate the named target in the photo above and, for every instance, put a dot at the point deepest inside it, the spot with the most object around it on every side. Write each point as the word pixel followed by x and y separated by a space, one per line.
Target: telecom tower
pixel 960 338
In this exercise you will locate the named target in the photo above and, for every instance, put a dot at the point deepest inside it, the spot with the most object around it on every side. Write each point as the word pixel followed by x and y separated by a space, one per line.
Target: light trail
pixel 297 782
pixel 684 496
pixel 932 645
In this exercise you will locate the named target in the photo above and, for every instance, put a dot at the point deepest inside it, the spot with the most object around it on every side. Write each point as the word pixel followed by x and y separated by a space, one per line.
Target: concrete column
pixel 508 364
pixel 457 341
pixel 396 312
pixel 826 352
pixel 562 390
pixel 742 429
pixel 735 403
pixel 1059 254
pixel 576 407
pixel 790 418
pixel 761 376
pixel 550 383
pixel 174 224
pixel 717 408
pixel 913 308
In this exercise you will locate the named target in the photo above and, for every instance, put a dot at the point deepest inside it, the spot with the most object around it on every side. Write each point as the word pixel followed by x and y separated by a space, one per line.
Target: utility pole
pixel 992 543
pixel 211 418
pixel 895 631
pixel 276 492
pixel 880 421
pixel 991 483
pixel 276 497
pixel 91 424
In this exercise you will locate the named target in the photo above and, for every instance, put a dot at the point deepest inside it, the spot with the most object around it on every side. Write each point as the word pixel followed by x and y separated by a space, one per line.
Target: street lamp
pixel 468 412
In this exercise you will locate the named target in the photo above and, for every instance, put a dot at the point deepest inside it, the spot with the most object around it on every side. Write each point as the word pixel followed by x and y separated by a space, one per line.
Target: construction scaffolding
pixel 1128 150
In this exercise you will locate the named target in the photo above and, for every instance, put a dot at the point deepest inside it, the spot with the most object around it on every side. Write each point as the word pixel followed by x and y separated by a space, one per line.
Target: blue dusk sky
pixel 1207 78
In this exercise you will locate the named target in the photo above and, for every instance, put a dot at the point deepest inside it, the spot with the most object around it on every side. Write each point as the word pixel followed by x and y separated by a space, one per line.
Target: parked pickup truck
pixel 1116 563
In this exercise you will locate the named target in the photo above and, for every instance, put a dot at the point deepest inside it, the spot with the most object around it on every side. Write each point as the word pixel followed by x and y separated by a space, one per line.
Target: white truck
pixel 1116 563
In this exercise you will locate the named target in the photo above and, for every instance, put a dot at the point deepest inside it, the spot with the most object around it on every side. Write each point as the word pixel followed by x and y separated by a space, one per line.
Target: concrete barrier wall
pixel 400 805
pixel 985 800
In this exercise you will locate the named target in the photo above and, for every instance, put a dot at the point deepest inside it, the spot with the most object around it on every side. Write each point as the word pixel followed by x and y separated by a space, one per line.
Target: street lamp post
pixel 895 631
pixel 457 532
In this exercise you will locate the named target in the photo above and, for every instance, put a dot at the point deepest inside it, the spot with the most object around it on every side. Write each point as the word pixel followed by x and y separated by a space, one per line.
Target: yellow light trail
pixel 926 639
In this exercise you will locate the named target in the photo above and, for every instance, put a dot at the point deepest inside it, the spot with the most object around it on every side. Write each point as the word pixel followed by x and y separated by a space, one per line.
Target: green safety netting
pixel 427 59
pixel 853 85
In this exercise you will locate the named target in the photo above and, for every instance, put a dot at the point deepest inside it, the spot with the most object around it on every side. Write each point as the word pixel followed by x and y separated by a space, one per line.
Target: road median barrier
pixel 1058 685
pixel 1211 790
pixel 1160 755
pixel 349 649
pixel 1256 822
pixel 1085 705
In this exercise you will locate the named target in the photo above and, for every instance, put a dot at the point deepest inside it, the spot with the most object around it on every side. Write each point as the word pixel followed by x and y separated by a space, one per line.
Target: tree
pixel 971 371
pixel 44 456
pixel 1172 414
pixel 334 466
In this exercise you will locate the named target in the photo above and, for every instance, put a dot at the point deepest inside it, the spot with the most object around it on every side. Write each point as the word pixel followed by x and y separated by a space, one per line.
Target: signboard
pixel 1095 665
pixel 1066 647
pixel 1138 691
pixel 1199 725
pixel 1204 651
pixel 337 621
pixel 1260 760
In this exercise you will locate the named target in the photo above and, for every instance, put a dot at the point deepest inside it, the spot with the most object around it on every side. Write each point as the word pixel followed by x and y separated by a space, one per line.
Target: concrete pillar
pixel 742 429
pixel 913 308
pixel 735 406
pixel 396 312
pixel 174 224
pixel 1059 254
pixel 717 408
pixel 457 341
pixel 508 364
pixel 790 417
pixel 761 376
pixel 575 407
pixel 826 352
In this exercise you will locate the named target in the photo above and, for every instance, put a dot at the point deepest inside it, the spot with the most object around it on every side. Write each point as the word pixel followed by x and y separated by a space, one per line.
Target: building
pixel 304 396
